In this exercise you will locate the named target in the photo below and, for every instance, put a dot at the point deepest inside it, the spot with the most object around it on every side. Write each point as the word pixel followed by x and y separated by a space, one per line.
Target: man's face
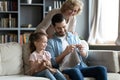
pixel 60 28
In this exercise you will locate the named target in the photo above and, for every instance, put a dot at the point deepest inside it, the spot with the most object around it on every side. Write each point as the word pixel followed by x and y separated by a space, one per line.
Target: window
pixel 109 20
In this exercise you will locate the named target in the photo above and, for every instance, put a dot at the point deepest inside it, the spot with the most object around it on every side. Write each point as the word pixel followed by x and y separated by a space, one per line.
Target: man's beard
pixel 61 34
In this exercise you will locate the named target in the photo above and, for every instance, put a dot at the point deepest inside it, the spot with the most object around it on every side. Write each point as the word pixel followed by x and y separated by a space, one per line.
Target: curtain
pixel 118 38
pixel 99 22
pixel 94 22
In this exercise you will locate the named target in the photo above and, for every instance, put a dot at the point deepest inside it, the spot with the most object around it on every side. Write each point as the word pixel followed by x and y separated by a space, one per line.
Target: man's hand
pixel 80 47
pixel 69 49
pixel 82 50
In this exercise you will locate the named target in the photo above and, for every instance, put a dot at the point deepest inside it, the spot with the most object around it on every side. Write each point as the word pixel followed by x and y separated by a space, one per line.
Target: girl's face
pixel 41 43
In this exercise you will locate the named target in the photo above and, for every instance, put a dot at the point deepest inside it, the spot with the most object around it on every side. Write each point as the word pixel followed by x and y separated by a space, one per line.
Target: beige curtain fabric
pixel 118 38
pixel 117 42
pixel 94 22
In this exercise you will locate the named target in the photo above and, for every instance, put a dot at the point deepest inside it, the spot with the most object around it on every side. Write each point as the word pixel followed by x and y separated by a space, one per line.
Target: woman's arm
pixel 72 25
pixel 46 22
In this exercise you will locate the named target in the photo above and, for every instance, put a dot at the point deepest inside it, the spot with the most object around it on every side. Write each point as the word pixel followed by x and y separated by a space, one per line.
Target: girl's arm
pixel 48 63
pixel 36 67
pixel 49 66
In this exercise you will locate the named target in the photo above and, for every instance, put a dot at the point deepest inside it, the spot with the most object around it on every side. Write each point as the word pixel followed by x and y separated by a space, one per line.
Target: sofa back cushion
pixel 107 58
pixel 10 58
pixel 26 54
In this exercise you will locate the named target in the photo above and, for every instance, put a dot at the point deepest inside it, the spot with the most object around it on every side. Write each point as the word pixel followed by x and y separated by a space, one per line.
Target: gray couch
pixel 108 58
pixel 14 62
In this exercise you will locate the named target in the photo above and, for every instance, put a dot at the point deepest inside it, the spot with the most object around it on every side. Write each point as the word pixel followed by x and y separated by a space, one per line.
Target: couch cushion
pixel 113 76
pixel 119 58
pixel 26 54
pixel 107 58
pixel 21 77
pixel 10 58
pixel 89 78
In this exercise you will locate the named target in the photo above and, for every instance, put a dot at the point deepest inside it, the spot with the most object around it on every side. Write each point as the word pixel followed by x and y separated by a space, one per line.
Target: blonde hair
pixel 70 4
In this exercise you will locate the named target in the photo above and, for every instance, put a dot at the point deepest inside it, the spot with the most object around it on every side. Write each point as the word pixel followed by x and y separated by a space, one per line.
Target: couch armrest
pixel 107 58
pixel 119 58
pixel 26 54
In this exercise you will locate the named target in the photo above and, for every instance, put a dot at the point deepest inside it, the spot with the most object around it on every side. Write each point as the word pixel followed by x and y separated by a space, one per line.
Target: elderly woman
pixel 69 9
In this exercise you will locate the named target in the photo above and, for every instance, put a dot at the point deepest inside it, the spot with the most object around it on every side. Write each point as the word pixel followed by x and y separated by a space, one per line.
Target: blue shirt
pixel 55 46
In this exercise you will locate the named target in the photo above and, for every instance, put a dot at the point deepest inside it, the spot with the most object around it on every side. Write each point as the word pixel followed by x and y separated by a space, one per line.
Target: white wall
pixel 82 21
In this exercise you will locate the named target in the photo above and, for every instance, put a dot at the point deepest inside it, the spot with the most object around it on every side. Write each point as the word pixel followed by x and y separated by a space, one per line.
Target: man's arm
pixel 69 49
pixel 57 58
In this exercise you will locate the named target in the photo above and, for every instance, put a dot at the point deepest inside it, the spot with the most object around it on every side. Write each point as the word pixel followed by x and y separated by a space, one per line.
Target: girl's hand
pixel 48 63
pixel 53 70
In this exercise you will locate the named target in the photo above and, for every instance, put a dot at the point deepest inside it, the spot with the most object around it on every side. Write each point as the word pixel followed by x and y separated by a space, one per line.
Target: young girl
pixel 40 59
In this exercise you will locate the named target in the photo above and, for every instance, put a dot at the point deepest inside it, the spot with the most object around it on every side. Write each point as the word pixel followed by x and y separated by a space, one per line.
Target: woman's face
pixel 72 12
